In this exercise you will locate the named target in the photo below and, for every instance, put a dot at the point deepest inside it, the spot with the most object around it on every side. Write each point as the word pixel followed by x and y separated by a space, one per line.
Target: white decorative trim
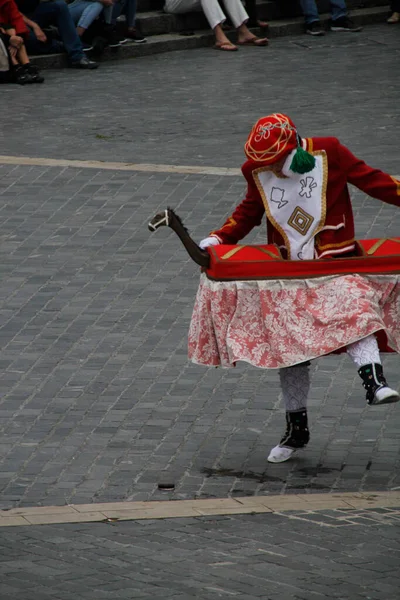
pixel 338 251
pixel 334 227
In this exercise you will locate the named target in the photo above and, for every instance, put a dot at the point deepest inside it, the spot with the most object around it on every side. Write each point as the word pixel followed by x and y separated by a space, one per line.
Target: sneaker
pixel 378 391
pixel 84 63
pixel 345 24
pixel 280 454
pixel 315 28
pixel 115 40
pixel 395 18
pixel 134 36
pixel 87 47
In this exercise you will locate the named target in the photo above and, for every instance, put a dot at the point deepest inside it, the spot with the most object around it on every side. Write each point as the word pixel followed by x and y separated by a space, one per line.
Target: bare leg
pixel 22 56
pixel 245 36
pixel 221 41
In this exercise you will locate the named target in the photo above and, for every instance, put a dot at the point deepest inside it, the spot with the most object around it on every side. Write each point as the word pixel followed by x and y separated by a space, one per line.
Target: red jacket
pixel 337 236
pixel 10 15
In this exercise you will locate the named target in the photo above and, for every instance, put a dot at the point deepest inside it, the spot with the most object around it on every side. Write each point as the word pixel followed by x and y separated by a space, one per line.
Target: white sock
pixel 364 352
pixel 295 383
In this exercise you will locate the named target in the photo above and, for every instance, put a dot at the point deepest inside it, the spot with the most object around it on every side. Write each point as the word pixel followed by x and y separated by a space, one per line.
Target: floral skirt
pixel 279 323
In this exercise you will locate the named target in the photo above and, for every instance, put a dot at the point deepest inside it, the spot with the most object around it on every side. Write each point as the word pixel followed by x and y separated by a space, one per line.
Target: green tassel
pixel 302 162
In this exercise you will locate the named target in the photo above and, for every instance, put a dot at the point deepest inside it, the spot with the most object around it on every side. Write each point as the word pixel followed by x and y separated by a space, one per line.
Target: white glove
pixel 209 241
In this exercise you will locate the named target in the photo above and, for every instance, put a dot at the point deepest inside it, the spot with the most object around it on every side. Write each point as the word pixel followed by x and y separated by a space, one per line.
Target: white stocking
pixel 365 351
pixel 295 383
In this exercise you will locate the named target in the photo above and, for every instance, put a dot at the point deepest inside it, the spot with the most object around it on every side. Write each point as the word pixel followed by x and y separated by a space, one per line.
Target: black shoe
pixel 84 63
pixel 296 434
pixel 378 391
pixel 115 40
pixel 135 36
pixel 344 24
pixel 23 76
pixel 87 47
pixel 315 28
pixel 34 72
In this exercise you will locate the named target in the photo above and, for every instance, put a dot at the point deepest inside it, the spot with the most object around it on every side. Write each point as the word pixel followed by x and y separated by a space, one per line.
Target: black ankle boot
pixel 378 391
pixel 296 434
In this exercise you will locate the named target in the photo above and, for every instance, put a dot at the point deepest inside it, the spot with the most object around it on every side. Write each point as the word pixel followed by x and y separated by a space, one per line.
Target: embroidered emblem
pixel 264 131
pixel 300 220
pixel 307 185
pixel 277 196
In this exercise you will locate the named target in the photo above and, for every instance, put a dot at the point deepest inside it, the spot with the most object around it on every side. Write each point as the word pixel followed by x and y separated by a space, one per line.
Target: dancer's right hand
pixel 209 241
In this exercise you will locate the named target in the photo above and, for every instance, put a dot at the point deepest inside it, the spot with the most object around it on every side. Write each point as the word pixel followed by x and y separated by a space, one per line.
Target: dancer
pixel 301 186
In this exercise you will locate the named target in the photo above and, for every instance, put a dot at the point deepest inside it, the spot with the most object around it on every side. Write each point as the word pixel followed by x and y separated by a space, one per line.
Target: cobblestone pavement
pixel 98 398
pixel 196 107
pixel 331 554
pixel 98 401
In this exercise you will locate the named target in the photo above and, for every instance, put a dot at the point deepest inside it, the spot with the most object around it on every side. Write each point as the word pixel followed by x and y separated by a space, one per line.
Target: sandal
pixel 225 46
pixel 255 41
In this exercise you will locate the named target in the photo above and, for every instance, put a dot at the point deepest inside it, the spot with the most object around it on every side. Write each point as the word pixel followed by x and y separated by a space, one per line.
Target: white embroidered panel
pixel 296 204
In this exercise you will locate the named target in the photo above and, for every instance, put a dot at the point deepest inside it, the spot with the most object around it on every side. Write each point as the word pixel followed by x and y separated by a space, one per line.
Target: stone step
pixel 155 21
pixel 170 39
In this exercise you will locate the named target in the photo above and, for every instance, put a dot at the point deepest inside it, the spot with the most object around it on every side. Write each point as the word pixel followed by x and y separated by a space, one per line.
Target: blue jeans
pixel 310 10
pixel 129 8
pixel 84 12
pixel 56 12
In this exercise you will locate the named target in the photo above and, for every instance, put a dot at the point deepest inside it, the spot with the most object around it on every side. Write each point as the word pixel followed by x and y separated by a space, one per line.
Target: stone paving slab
pixel 296 555
pixel 128 511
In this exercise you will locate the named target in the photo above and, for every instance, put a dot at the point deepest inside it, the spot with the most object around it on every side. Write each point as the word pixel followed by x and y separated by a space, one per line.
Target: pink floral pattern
pixel 280 323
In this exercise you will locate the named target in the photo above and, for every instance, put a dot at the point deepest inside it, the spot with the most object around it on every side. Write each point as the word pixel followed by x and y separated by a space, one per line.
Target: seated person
pixel 85 12
pixel 128 7
pixel 39 15
pixel 340 20
pixel 17 67
pixel 216 18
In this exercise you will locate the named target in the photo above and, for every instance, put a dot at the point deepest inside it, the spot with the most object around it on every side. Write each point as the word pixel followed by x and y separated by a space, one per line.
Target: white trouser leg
pixel 295 383
pixel 211 9
pixel 180 7
pixel 236 12
pixel 364 352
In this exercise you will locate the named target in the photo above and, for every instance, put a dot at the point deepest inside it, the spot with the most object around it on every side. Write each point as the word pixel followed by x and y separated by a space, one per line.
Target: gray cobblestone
pixel 248 557
pixel 98 401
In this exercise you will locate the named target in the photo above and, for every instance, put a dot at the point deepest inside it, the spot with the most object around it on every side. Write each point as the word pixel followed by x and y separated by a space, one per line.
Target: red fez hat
pixel 271 138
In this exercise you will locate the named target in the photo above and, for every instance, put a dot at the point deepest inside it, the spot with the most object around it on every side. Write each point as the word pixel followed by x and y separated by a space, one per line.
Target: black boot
pixel 296 436
pixel 378 391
